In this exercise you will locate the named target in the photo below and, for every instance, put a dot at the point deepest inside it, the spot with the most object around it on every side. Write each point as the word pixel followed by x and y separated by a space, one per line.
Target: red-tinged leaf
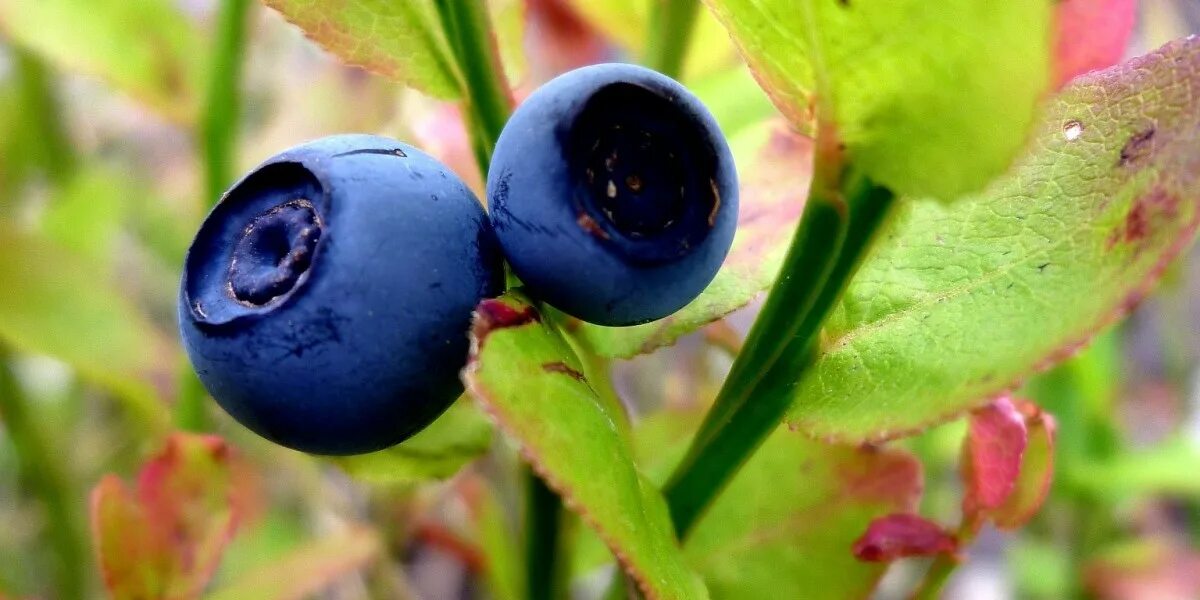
pixel 1037 471
pixel 900 535
pixel 166 540
pixel 132 564
pixel 992 453
pixel 1090 35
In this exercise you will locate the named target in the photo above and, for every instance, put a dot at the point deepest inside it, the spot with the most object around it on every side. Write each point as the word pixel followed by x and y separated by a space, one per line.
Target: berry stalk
pixel 669 35
pixel 844 212
pixel 487 101
pixel 218 140
pixel 468 29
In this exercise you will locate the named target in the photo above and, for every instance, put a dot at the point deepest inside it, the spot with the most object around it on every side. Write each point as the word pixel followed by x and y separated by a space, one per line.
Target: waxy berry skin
pixel 613 194
pixel 326 300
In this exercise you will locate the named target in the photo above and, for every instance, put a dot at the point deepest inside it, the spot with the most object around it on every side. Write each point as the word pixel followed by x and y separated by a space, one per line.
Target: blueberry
pixel 613 194
pixel 326 300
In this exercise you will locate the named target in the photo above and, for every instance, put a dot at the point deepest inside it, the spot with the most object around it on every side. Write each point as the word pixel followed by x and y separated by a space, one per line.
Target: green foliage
pixel 458 437
pixel 145 48
pixel 960 301
pixel 954 304
pixel 529 380
pixel 930 98
pixel 307 570
pixel 52 302
pixel 398 39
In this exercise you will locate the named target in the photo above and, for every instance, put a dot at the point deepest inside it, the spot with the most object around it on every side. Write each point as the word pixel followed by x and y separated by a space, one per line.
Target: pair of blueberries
pixel 326 299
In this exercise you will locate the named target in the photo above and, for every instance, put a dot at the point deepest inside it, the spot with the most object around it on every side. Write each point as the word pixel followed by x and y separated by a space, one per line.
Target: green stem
pixel 944 564
pixel 669 34
pixel 543 531
pixel 48 479
pixel 218 133
pixel 221 119
pixel 837 228
pixel 487 101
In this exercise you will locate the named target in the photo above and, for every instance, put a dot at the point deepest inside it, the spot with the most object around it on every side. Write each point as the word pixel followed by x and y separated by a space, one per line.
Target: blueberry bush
pixel 598 299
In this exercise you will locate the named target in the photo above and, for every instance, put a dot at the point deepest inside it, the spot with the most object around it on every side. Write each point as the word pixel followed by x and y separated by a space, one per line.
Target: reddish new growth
pixel 494 314
pixel 992 455
pixel 900 535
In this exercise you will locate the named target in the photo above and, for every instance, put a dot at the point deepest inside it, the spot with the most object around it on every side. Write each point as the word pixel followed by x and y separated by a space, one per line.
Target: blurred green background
pixel 109 159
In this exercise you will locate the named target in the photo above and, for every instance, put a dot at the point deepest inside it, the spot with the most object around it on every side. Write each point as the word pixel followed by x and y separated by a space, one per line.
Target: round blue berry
pixel 613 194
pixel 326 300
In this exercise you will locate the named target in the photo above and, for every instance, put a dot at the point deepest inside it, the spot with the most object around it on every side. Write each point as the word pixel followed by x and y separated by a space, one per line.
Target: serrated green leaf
pixel 931 98
pixel 53 302
pixel 400 40
pixel 772 195
pixel 146 48
pixel 307 570
pixel 456 438
pixel 959 302
pixel 528 379
pixel 785 526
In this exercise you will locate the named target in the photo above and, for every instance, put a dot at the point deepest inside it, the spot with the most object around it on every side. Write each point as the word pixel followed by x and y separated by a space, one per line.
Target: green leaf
pixel 931 98
pixel 772 195
pixel 456 438
pixel 145 48
pixel 528 379
pixel 86 214
pixel 959 302
pixel 52 302
pixel 1168 468
pixel 307 570
pixel 400 40
pixel 785 526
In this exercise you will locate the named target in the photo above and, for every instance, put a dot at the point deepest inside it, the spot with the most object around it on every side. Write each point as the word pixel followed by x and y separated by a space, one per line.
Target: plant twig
pixel 487 100
pixel 218 139
pixel 544 574
pixel 669 35
pixel 843 213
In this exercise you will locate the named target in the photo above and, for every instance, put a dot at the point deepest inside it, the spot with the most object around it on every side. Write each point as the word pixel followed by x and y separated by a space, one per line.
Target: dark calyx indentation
pixel 641 167
pixel 274 251
pixel 397 152
pixel 1139 146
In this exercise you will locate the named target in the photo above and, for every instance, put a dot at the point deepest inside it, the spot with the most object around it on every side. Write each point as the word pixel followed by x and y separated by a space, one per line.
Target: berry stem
pixel 468 29
pixel 47 478
pixel 844 212
pixel 218 141
pixel 219 124
pixel 669 34
pixel 487 101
